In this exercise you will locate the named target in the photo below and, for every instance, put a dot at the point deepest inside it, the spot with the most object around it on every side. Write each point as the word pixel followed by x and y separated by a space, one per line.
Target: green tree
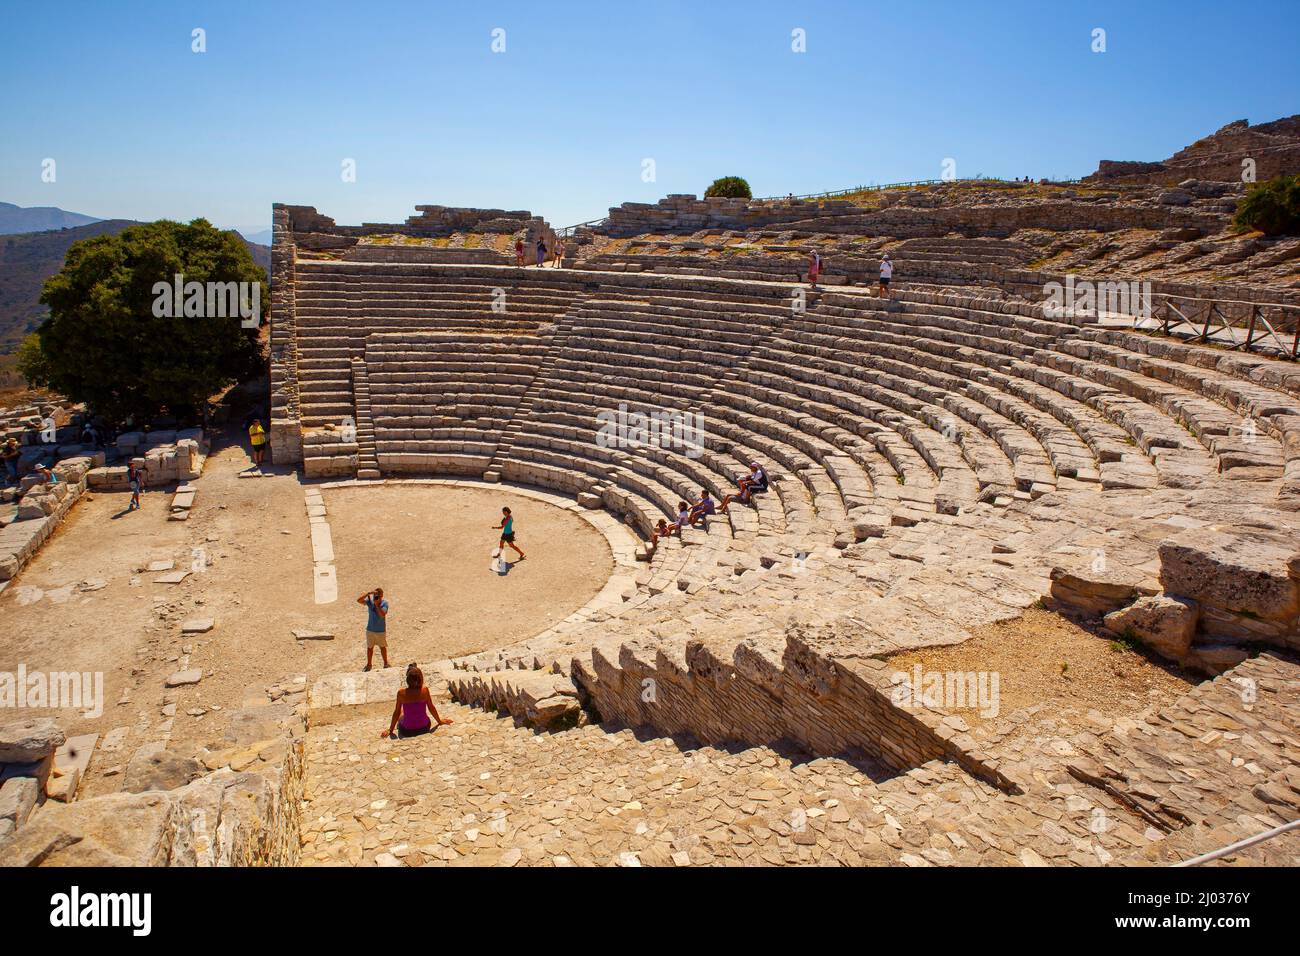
pixel 1272 207
pixel 729 187
pixel 31 362
pixel 104 344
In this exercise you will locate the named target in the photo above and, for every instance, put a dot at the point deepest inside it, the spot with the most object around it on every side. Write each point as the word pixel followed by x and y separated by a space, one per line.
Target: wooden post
pixel 1250 329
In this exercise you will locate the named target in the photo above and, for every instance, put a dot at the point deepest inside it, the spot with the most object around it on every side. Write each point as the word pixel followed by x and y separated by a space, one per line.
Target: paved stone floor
pixel 1212 768
pixel 483 792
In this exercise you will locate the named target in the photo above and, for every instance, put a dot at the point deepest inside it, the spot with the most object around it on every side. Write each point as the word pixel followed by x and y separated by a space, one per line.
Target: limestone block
pixel 1163 622
pixel 1241 570
pixel 1096 592
pixel 34 506
pixel 29 739
pixel 158 770
pixel 18 797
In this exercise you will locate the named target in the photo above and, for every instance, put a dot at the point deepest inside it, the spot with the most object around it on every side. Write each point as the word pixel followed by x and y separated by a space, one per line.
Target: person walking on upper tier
pixel 376 625
pixel 541 252
pixel 519 252
pixel 507 527
pixel 558 255
pixel 886 273
pixel 814 268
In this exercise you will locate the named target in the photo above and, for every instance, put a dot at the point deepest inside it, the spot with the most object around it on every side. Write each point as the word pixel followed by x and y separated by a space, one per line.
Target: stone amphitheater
pixel 944 462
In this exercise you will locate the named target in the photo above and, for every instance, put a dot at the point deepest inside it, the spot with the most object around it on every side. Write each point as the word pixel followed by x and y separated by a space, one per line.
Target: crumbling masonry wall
pixel 826 705
pixel 285 431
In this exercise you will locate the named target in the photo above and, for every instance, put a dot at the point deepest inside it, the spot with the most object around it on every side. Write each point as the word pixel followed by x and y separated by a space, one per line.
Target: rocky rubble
pixel 1221 593
pixel 234 802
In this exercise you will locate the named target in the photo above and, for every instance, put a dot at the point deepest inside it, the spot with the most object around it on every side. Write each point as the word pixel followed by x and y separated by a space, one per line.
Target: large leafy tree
pixel 104 343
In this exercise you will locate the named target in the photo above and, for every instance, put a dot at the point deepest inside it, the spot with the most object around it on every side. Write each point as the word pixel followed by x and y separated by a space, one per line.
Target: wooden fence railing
pixel 1272 327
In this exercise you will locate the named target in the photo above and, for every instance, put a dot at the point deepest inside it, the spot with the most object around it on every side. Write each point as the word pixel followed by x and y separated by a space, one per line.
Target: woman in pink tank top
pixel 410 718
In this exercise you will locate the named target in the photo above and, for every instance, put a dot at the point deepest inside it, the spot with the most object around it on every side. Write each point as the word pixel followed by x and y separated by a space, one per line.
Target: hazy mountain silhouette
pixel 28 259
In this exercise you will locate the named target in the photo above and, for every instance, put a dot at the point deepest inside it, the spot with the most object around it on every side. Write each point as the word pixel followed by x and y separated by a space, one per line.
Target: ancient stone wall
pixel 1274 148
pixel 313 231
pixel 824 704
pixel 285 431
pixel 906 218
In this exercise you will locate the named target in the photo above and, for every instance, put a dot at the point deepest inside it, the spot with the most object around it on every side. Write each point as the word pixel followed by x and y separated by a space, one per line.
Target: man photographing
pixel 376 625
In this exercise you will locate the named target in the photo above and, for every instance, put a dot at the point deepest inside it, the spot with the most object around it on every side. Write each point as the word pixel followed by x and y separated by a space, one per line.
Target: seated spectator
pixel 661 531
pixel 750 485
pixel 11 453
pixel 702 508
pixel 413 708
pixel 683 518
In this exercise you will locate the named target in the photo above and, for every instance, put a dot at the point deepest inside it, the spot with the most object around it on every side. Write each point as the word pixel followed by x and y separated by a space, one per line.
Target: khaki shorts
pixel 376 639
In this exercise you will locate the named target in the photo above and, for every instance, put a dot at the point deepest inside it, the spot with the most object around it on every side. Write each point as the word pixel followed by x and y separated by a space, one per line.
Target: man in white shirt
pixel 886 273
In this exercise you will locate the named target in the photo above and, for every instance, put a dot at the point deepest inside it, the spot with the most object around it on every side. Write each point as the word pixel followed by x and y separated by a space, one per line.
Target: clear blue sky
pixel 142 128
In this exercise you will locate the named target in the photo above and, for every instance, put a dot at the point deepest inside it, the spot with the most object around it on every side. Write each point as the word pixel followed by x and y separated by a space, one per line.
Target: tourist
pixel 751 484
pixel 135 480
pixel 11 453
pixel 541 252
pixel 814 268
pixel 257 437
pixel 47 477
pixel 376 625
pixel 519 252
pixel 507 527
pixel 886 273
pixel 414 705
pixel 703 508
pixel 559 252
pixel 662 530
pixel 683 518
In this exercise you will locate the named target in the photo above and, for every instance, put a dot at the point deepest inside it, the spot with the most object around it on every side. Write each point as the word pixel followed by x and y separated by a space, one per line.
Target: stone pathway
pixel 482 792
pixel 1210 769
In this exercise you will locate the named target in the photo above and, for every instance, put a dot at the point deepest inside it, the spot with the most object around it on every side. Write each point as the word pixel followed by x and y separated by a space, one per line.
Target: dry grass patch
pixel 1043 658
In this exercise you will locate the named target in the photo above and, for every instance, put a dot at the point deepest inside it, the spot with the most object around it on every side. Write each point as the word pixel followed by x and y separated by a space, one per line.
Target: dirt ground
pixel 429 548
pixel 1043 658
pixel 87 603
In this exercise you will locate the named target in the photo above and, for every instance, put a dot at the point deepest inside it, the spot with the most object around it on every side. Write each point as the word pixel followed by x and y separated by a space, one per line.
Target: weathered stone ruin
pixel 940 460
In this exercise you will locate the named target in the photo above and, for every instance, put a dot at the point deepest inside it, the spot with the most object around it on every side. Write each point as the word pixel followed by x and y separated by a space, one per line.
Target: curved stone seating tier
pixel 443 400
pixel 1176 455
pixel 339 305
pixel 872 413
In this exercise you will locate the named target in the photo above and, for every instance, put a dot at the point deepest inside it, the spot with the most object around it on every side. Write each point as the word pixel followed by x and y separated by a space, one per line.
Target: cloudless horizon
pixel 561 122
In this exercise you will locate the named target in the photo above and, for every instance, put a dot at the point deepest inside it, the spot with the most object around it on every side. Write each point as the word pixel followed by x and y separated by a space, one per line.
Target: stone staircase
pixel 367 462
pixel 558 341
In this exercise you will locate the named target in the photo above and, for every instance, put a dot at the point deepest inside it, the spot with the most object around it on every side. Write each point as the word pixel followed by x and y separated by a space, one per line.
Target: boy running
pixel 507 527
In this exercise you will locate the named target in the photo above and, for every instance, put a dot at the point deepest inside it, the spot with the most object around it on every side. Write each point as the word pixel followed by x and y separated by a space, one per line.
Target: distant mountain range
pixel 38 219
pixel 28 258
pixel 261 237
